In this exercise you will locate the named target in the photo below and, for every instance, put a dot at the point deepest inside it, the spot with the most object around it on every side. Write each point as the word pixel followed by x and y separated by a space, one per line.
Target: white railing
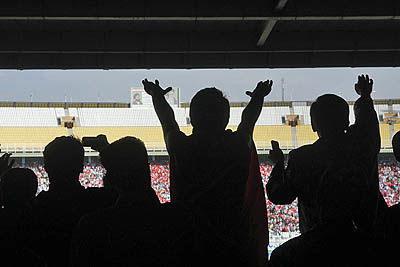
pixel 159 147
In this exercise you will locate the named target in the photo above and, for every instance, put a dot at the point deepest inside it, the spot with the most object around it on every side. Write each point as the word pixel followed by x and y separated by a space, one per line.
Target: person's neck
pixel 207 134
pixel 129 197
pixel 65 183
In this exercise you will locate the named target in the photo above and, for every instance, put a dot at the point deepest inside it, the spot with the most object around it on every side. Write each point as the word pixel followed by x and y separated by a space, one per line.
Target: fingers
pixel 6 156
pixel 11 163
pixel 265 83
pixel 275 145
pixel 249 93
pixel 169 89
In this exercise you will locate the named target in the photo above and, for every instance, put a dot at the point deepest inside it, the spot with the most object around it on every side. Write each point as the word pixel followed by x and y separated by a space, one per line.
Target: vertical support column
pixel 391 125
pixel 66 112
pixel 294 136
pixel 294 129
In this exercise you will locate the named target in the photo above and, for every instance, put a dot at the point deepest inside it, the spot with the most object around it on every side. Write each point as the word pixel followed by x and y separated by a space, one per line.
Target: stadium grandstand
pixel 26 127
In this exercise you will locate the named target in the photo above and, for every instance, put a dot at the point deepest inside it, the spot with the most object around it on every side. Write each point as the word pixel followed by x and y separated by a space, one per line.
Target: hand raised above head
pixel 364 85
pixel 263 89
pixel 154 89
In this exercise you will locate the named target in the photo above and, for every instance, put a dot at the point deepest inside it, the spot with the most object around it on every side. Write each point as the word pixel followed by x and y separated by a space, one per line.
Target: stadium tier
pixel 24 128
pixel 124 117
pixel 29 116
pixel 28 138
pixel 264 134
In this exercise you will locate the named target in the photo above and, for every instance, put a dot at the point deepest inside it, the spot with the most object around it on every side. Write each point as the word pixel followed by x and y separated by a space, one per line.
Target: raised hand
pixel 263 89
pixel 5 163
pixel 276 154
pixel 154 89
pixel 363 86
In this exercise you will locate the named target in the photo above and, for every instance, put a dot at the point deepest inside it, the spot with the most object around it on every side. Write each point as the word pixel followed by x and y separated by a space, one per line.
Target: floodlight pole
pixel 283 89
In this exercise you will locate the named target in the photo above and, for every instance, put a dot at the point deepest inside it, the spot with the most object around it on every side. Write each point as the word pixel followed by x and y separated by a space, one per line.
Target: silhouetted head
pixel 63 160
pixel 396 145
pixel 329 115
pixel 18 186
pixel 126 163
pixel 209 111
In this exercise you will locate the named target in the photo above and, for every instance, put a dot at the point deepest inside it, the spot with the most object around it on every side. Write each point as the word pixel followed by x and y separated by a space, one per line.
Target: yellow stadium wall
pixel 29 136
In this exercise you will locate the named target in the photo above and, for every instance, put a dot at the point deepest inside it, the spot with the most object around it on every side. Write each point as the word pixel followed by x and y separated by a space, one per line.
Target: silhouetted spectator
pixel 137 230
pixel 210 173
pixel 396 145
pixel 392 226
pixel 336 182
pixel 56 212
pixel 17 187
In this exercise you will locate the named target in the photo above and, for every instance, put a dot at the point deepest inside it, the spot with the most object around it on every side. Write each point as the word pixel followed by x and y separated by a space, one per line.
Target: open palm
pixel 154 89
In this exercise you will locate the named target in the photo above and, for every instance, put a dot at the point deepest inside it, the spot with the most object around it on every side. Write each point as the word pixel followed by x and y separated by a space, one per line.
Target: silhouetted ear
pixel 313 126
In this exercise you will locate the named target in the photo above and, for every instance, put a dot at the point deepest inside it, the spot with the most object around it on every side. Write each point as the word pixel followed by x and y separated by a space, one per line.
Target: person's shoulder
pixel 43 198
pixel 176 139
pixel 96 218
pixel 99 193
pixel 303 150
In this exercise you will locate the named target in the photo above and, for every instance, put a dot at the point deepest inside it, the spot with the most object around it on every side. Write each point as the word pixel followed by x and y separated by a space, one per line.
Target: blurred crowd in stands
pixel 282 218
pixel 389 176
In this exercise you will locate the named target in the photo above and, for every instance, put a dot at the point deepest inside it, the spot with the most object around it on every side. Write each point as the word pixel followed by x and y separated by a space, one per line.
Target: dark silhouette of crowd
pixel 217 213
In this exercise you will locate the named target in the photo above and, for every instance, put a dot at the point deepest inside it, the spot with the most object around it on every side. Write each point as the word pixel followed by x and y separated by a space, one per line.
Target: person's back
pixel 57 211
pixel 392 218
pixel 210 171
pixel 333 178
pixel 17 188
pixel 137 230
pixel 337 147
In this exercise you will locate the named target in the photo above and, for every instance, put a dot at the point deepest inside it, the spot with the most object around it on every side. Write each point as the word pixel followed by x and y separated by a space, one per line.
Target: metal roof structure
pixel 105 34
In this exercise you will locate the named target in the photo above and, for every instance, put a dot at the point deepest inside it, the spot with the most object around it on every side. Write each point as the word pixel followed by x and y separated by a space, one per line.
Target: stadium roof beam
pixel 128 42
pixel 270 24
pixel 206 18
pixel 198 34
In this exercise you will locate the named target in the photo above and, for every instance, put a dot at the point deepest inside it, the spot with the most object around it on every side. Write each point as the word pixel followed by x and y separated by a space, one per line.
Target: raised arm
pixel 164 111
pixel 366 126
pixel 253 109
pixel 279 189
